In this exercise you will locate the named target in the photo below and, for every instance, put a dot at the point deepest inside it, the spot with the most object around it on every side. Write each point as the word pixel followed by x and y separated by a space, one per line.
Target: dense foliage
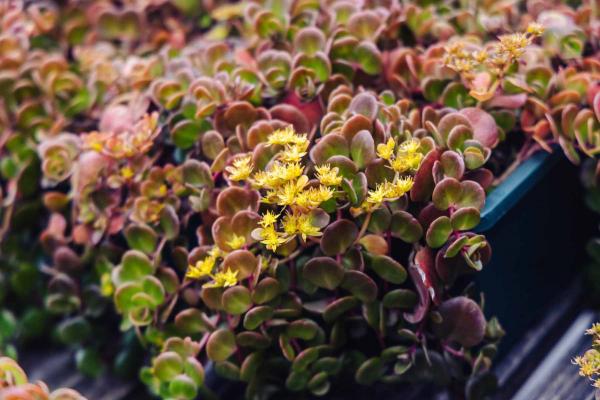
pixel 285 188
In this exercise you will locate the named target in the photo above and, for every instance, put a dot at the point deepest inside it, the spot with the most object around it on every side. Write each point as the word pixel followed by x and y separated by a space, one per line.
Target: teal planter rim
pixel 502 198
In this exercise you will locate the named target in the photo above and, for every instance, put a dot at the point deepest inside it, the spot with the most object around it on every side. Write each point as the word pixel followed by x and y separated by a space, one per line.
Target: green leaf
pixel 465 219
pixel 134 266
pixel 236 300
pixel 257 316
pixel 305 358
pixel 400 298
pixel 167 365
pixel 221 345
pixel 140 237
pixel 406 227
pixel 304 329
pixel 338 236
pixel 362 148
pixel 370 371
pixel 388 269
pixel 266 290
pixel 323 272
pixel 338 307
pixel 439 231
pixel 360 285
pixel 183 387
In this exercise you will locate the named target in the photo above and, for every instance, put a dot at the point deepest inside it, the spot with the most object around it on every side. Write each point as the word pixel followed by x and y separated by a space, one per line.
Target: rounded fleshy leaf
pixel 365 104
pixel 135 265
pixel 257 316
pixel 347 167
pixel 354 125
pixel 484 126
pixel 167 365
pixel 197 174
pixel 374 244
pixel 305 358
pixel 234 199
pixel 369 58
pixel 472 195
pixel 338 236
pixel 406 227
pixel 192 320
pixel 400 298
pixel 465 218
pixel 423 182
pixel 439 231
pixel 446 193
pixel 360 285
pixel 452 164
pixel 304 329
pixel 370 371
pixel 323 272
pixel 221 345
pixel 339 307
pixel 141 237
pixel 329 146
pixel 462 321
pixel 242 261
pixel 388 269
pixel 236 300
pixel 309 41
pixel 266 290
pixel 362 149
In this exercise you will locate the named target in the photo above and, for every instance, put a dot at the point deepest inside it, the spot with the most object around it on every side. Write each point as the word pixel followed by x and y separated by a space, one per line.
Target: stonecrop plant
pixel 281 192
pixel 14 385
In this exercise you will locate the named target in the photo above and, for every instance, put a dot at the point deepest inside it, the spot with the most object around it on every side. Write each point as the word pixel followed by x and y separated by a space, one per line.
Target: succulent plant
pixel 15 385
pixel 286 190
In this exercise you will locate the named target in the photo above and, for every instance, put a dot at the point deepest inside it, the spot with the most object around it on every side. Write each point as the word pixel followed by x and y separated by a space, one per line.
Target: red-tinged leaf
pixel 424 184
pixel 484 126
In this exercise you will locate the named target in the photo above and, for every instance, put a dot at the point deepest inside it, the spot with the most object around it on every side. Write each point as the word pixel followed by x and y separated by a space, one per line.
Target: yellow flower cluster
pixel 285 184
pixel 241 168
pixel 589 363
pixel 507 50
pixel 401 159
pixel 205 267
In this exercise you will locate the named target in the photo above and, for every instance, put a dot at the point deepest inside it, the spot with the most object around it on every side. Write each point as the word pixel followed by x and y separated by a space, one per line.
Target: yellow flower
pixel 413 160
pixel 290 224
pixel 410 146
pixel 313 197
pixel 268 219
pixel 513 45
pixel 289 192
pixel 224 279
pixel 293 153
pixel 378 195
pixel 402 186
pixel 386 150
pixel 328 176
pixel 480 56
pixel 399 164
pixel 127 172
pixel 236 242
pixel 271 238
pixel 287 172
pixel 241 169
pixel 286 136
pixel 106 286
pixel 535 29
pixel 202 268
pixel 305 227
